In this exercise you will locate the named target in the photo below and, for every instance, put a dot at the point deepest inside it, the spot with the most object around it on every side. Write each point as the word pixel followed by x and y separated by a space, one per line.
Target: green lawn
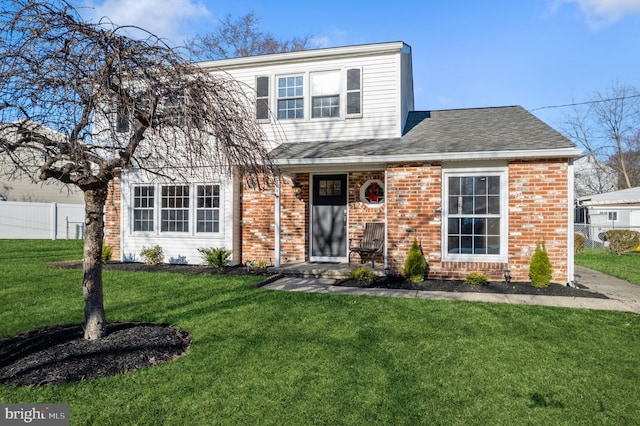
pixel 626 266
pixel 267 357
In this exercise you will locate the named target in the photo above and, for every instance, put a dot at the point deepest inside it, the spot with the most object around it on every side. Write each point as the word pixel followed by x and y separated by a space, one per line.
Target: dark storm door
pixel 329 218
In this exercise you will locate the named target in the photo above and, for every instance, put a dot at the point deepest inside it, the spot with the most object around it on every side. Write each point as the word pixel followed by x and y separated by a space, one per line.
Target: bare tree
pixel 603 126
pixel 80 103
pixel 239 38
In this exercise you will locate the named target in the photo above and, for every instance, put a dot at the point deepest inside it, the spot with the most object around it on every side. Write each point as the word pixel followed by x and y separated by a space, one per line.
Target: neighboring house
pixel 592 176
pixel 616 209
pixel 35 210
pixel 476 187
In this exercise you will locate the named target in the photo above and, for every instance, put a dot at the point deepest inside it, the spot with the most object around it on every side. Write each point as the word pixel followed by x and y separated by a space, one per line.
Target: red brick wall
pixel 258 221
pixel 112 218
pixel 538 211
pixel 360 213
pixel 413 194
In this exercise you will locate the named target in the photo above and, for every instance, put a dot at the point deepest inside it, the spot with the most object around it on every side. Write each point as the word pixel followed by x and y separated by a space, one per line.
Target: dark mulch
pixel 178 268
pixel 60 354
pixel 398 282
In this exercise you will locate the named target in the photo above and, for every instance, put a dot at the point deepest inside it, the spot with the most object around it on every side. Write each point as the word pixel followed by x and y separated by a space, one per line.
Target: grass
pixel 626 266
pixel 266 357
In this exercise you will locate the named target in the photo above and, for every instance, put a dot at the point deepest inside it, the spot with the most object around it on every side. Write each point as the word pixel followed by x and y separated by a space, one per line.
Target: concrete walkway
pixel 623 296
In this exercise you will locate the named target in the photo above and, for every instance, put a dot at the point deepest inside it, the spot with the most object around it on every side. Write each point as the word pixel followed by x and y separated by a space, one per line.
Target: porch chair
pixel 371 243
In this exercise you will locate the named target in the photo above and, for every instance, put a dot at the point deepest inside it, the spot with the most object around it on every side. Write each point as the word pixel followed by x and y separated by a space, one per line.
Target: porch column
pixel 276 243
pixel 386 219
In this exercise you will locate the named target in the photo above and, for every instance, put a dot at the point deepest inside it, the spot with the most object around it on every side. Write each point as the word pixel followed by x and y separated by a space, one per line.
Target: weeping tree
pixel 80 102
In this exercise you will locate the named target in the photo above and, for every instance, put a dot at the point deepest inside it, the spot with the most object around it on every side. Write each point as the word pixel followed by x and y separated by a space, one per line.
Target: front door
pixel 329 218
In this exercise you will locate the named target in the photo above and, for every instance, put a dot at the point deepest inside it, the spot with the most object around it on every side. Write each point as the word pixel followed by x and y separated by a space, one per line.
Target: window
pixel 262 98
pixel 325 94
pixel 354 92
pixel 372 192
pixel 183 208
pixel 208 209
pixel 143 208
pixel 612 216
pixel 122 119
pixel 290 97
pixel 475 216
pixel 172 109
pixel 174 214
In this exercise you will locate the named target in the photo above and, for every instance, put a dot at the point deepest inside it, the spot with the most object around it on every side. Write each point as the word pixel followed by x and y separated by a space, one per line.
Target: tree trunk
pixel 94 317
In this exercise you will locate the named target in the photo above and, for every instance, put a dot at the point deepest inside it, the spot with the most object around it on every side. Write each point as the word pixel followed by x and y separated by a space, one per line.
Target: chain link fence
pixel 595 234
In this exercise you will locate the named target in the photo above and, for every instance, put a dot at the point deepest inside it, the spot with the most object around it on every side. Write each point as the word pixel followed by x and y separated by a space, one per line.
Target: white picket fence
pixel 56 221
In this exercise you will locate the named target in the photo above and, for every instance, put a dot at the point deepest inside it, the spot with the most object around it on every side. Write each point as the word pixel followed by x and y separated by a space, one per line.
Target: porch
pixel 324 269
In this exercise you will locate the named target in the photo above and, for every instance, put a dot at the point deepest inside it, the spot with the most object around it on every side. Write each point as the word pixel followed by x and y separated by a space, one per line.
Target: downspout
pixel 386 220
pixel 570 227
pixel 276 243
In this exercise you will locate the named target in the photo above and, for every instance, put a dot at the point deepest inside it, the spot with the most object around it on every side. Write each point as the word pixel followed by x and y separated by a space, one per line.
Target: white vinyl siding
pixel 380 114
pixel 208 222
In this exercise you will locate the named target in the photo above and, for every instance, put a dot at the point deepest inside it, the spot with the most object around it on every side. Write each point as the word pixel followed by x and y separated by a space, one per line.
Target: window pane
pixel 327 106
pixel 353 103
pixel 207 216
pixel 262 86
pixel 353 79
pixel 454 186
pixel 325 83
pixel 475 201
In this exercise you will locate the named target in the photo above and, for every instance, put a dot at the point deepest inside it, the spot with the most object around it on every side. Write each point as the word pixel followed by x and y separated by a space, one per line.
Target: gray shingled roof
pixel 474 130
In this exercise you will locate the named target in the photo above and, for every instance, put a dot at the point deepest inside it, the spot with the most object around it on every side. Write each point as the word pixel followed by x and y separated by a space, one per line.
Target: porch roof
pixel 462 134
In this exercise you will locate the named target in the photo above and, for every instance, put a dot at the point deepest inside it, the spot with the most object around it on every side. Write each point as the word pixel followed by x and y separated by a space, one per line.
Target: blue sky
pixel 534 53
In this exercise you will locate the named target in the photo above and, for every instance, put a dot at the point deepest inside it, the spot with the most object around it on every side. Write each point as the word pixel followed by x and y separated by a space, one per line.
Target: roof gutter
pixel 453 156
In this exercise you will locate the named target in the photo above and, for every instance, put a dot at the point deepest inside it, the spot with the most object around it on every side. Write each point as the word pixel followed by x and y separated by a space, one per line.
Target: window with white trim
pixel 143 208
pixel 188 208
pixel 262 98
pixel 354 92
pixel 291 97
pixel 174 214
pixel 612 216
pixel 208 208
pixel 475 215
pixel 325 94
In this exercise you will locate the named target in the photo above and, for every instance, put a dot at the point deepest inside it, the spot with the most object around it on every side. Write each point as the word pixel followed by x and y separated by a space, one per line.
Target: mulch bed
pixel 60 354
pixel 397 282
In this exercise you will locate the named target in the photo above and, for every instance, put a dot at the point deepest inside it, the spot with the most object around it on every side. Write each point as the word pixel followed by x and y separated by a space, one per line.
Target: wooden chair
pixel 371 243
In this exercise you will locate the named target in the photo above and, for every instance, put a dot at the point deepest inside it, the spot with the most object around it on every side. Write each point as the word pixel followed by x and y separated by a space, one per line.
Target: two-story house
pixel 476 187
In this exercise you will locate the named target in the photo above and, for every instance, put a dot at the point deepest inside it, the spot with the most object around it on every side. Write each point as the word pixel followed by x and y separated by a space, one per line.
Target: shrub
pixel 107 253
pixel 361 274
pixel 540 267
pixel 152 255
pixel 416 264
pixel 578 243
pixel 216 257
pixel 622 241
pixel 476 278
pixel 260 264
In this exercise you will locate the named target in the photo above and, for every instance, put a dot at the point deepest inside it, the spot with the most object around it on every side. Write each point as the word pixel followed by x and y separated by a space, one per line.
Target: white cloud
pixel 168 19
pixel 602 12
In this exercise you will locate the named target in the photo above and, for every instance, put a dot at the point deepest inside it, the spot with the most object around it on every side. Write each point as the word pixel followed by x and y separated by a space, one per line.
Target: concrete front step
pixel 336 271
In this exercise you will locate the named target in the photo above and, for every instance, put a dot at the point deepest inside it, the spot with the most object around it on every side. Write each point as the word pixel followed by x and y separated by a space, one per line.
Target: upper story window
pixel 325 94
pixel 262 98
pixel 354 92
pixel 290 97
pixel 612 216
